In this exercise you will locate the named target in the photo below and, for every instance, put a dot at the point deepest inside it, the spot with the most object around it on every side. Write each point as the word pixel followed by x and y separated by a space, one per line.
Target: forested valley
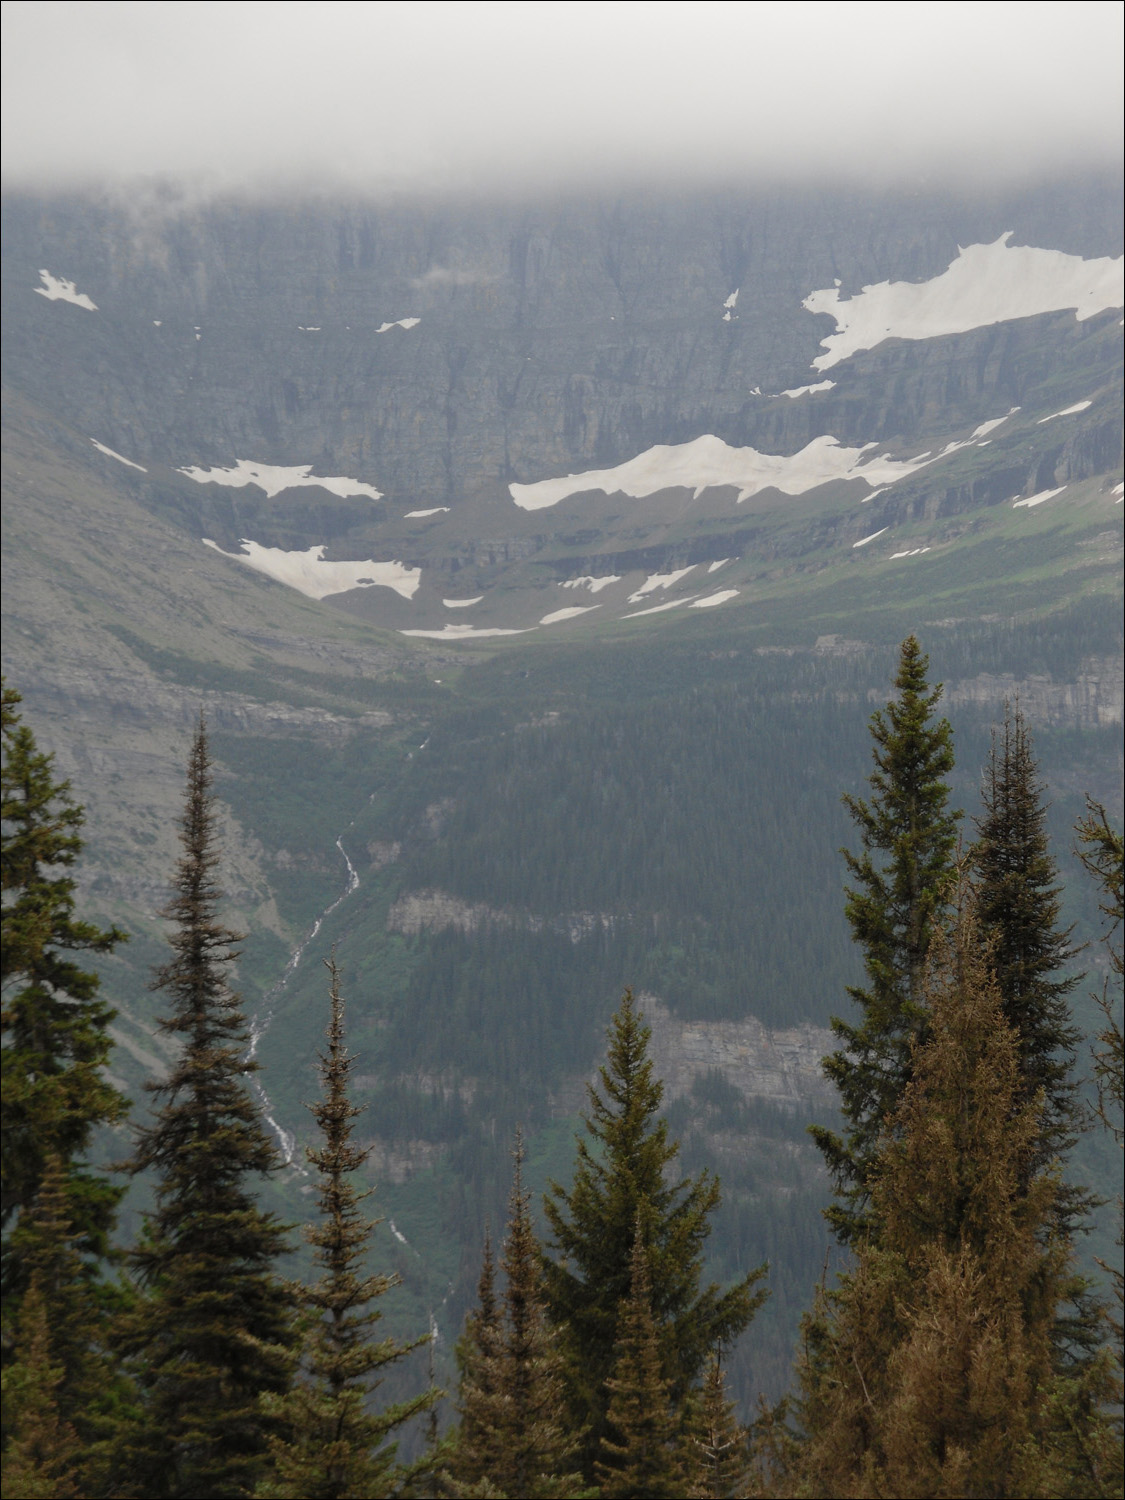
pixel 955 1345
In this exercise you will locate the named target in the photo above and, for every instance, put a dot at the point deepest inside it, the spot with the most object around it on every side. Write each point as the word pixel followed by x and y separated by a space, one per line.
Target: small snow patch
pixel 121 459
pixel 595 585
pixel 417 515
pixel 461 603
pixel 463 632
pixel 863 541
pixel 711 600
pixel 657 609
pixel 311 575
pixel 984 427
pixel 1067 411
pixel 274 478
pixel 659 581
pixel 568 614
pixel 911 552
pixel 1038 499
pixel 399 323
pixel 732 300
pixel 58 289
pixel 720 562
pixel 809 390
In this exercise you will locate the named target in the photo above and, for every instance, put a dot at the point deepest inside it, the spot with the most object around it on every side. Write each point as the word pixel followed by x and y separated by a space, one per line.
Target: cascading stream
pixel 260 1021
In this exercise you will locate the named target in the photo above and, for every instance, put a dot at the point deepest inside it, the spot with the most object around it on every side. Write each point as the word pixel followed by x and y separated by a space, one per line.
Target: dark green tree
pixel 333 1445
pixel 1018 906
pixel 1102 852
pixel 931 1369
pixel 55 1026
pixel 641 1448
pixel 514 1437
pixel 717 1454
pixel 624 1166
pixel 211 1333
pixel 478 1358
pixel 902 878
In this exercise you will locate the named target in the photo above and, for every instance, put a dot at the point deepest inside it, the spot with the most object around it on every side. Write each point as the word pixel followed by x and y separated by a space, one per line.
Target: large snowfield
pixel 985 284
pixel 707 462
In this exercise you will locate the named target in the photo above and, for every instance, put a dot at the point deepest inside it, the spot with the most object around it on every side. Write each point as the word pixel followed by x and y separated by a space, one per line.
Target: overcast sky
pixel 451 95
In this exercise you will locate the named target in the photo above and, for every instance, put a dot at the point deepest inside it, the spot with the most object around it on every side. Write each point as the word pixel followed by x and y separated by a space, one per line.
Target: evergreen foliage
pixel 622 1171
pixel 931 1370
pixel 514 1436
pixel 718 1453
pixel 212 1332
pixel 640 1452
pixel 333 1446
pixel 1018 905
pixel 55 1027
pixel 41 1448
pixel 1102 852
pixel 478 1358
pixel 902 882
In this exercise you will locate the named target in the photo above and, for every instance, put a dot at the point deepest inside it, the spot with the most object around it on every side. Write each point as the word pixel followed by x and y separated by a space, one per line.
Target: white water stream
pixel 260 1021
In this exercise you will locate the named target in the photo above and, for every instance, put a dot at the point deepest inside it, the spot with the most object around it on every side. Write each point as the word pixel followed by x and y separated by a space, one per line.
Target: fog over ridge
pixel 488 97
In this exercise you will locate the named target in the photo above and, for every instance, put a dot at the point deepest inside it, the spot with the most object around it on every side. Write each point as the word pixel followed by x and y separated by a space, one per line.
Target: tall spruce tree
pixel 55 1026
pixel 514 1438
pixel 718 1452
pixel 333 1445
pixel 1018 906
pixel 641 1452
pixel 623 1167
pixel 211 1333
pixel 902 878
pixel 930 1370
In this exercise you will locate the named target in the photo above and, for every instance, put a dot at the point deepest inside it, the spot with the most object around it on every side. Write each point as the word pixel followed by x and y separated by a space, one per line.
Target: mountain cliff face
pixel 537 566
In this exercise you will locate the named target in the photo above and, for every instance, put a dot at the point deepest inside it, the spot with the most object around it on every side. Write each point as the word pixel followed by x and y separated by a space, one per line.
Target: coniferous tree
pixel 641 1448
pixel 478 1357
pixel 55 1027
pixel 513 1433
pixel 718 1457
pixel 902 881
pixel 335 1446
pixel 211 1333
pixel 931 1369
pixel 1102 852
pixel 41 1448
pixel 1018 905
pixel 620 1169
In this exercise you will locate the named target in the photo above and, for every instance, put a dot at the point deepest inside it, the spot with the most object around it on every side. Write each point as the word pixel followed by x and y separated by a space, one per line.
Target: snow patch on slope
pixel 1033 500
pixel 986 284
pixel 707 462
pixel 1067 411
pixel 595 585
pixel 309 573
pixel 120 457
pixel 464 632
pixel 659 581
pixel 572 612
pixel 808 390
pixel 709 601
pixel 398 323
pixel 58 289
pixel 274 478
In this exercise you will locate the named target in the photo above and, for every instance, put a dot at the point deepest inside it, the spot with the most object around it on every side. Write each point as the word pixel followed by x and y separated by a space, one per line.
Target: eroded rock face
pixel 1093 701
pixel 779 1066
